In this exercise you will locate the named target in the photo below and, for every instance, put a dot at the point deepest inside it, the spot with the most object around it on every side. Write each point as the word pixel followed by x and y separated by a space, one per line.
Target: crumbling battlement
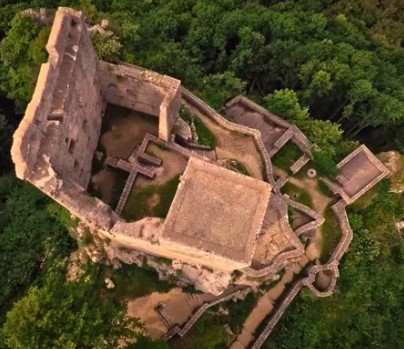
pixel 61 127
pixel 60 130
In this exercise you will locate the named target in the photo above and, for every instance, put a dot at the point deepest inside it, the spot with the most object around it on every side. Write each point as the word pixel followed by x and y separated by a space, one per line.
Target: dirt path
pixel 266 302
pixel 320 202
pixel 178 305
pixel 265 305
pixel 234 145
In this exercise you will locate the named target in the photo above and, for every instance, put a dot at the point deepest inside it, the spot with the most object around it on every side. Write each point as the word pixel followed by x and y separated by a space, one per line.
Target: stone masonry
pixel 55 143
pixel 218 217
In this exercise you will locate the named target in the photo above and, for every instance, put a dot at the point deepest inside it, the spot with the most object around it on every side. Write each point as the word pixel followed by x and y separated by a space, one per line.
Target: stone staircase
pixel 193 301
pixel 126 191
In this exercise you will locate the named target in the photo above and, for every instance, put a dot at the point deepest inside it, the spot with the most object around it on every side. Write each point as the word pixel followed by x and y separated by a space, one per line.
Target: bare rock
pixel 394 161
pixel 214 282
pixel 96 29
pixel 109 284
pixel 105 23
pixel 183 129
pixel 39 16
pixel 391 160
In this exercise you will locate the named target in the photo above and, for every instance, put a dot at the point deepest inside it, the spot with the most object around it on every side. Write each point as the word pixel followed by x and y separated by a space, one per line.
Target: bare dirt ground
pixel 124 130
pixel 263 308
pixel 233 145
pixel 320 203
pixel 178 305
pixel 173 164
pixel 266 302
pixel 323 280
pixel 104 181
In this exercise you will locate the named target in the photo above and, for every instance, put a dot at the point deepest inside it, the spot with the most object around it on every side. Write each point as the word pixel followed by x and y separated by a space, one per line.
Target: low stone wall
pixel 297 166
pixel 309 281
pixel 210 112
pixel 176 330
pixel 282 259
pixel 279 311
pixel 292 133
pixel 339 188
pixel 347 233
pixel 318 220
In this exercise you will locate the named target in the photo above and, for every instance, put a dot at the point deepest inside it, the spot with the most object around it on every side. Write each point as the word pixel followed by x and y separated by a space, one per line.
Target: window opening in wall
pixel 56 115
pixel 72 146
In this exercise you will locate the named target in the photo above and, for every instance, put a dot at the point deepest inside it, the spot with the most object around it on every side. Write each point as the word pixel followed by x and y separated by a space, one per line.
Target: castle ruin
pixel 225 212
pixel 56 141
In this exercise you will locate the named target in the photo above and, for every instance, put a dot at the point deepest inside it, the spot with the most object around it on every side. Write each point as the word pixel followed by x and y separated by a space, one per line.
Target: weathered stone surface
pixel 109 284
pixel 56 141
pixel 394 162
pixel 216 215
pixel 205 280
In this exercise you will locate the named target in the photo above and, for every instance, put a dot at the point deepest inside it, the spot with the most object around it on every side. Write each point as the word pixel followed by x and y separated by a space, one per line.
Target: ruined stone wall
pixel 83 115
pixel 142 90
pixel 60 130
pixel 210 112
pixel 169 110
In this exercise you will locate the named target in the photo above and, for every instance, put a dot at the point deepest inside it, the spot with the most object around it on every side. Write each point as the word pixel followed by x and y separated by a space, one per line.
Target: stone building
pixel 217 216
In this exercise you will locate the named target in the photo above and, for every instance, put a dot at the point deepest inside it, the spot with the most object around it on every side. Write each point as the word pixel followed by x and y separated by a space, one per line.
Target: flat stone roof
pixel 218 211
pixel 361 171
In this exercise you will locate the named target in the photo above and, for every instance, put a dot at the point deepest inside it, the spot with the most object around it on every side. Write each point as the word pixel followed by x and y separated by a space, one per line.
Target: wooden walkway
pixel 138 162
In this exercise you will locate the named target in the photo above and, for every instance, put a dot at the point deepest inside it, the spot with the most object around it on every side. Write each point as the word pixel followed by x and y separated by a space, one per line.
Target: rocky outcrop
pixel 393 160
pixel 205 280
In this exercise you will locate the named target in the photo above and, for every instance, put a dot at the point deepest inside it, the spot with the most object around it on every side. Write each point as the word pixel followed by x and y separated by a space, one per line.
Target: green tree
pixel 106 45
pixel 21 53
pixel 6 131
pixel 285 103
pixel 219 88
pixel 66 314
pixel 31 240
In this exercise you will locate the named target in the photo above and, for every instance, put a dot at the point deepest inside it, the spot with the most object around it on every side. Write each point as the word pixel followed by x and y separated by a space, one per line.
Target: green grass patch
pixel 205 135
pixel 207 333
pixel 331 234
pixel 302 173
pixel 286 156
pixel 240 168
pixel 297 194
pixel 239 311
pixel 365 200
pixel 163 260
pixel 323 189
pixel 150 201
pixel 132 281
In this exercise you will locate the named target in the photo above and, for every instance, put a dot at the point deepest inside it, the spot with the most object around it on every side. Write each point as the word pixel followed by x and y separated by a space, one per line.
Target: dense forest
pixel 333 67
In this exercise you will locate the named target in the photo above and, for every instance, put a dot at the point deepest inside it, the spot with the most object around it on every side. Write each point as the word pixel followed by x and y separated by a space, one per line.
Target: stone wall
pixel 295 135
pixel 60 130
pixel 142 90
pixel 176 330
pixel 210 112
